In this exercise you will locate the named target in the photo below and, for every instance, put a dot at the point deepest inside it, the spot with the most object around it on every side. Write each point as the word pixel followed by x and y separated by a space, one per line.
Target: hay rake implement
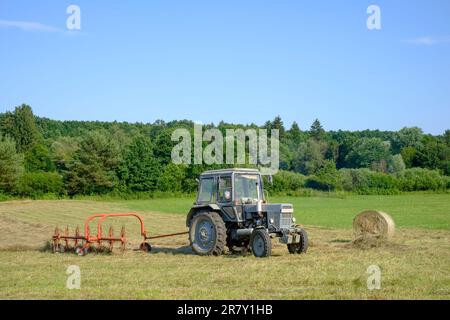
pixel 83 243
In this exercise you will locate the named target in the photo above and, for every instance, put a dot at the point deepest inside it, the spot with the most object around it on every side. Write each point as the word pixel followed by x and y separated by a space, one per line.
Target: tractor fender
pixel 202 207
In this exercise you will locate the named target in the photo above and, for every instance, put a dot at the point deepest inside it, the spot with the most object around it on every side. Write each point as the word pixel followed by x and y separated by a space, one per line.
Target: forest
pixel 40 157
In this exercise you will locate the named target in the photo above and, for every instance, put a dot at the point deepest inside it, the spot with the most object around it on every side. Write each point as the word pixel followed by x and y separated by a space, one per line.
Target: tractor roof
pixel 230 171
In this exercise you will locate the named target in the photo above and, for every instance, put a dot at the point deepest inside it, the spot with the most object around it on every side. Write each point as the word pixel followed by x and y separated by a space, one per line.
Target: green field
pixel 415 265
pixel 430 211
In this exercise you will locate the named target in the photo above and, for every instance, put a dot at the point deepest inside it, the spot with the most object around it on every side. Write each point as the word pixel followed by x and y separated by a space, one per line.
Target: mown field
pixel 415 265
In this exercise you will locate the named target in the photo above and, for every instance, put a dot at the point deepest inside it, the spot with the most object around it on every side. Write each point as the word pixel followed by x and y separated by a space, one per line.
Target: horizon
pixel 236 62
pixel 305 128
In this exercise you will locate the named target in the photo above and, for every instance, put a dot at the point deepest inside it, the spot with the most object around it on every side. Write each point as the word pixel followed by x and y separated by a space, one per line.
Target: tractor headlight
pixel 272 221
pixel 294 220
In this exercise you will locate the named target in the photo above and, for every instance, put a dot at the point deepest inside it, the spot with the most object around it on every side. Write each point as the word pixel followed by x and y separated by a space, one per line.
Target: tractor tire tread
pixel 267 242
pixel 221 233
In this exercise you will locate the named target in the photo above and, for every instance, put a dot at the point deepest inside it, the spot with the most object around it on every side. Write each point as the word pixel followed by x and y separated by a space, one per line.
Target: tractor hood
pixel 273 208
pixel 279 216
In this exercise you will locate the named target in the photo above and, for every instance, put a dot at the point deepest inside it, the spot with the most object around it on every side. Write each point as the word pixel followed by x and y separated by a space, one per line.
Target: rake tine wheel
pixel 110 235
pixel 83 242
pixel 99 242
pixel 66 241
pixel 77 235
pixel 55 244
pixel 122 238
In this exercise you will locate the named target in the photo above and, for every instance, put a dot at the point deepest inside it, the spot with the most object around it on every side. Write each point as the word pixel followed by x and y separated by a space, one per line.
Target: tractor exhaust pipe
pixel 259 204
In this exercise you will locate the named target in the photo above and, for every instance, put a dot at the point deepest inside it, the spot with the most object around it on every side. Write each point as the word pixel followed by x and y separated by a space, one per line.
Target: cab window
pixel 206 190
pixel 225 189
pixel 246 187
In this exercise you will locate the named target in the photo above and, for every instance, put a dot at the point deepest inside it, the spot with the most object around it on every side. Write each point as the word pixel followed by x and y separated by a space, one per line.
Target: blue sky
pixel 240 61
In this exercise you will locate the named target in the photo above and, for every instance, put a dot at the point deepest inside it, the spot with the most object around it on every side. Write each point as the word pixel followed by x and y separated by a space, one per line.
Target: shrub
pixel 447 182
pixel 190 185
pixel 367 181
pixel 171 178
pixel 378 180
pixel 326 177
pixel 34 184
pixel 354 179
pixel 330 174
pixel 286 181
pixel 318 183
pixel 378 192
pixel 418 179
pixel 4 197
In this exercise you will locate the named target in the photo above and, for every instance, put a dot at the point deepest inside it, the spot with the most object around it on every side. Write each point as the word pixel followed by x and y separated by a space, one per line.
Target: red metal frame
pixel 89 239
pixel 102 219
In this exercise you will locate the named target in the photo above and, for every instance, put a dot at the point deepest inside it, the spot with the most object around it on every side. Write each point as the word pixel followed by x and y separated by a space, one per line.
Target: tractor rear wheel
pixel 208 234
pixel 301 247
pixel 261 243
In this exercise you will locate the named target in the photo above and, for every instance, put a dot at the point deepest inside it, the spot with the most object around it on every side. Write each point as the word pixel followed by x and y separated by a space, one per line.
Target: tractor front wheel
pixel 301 247
pixel 261 243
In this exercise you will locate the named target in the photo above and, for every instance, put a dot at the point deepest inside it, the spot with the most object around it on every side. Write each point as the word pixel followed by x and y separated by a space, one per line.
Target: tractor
pixel 231 211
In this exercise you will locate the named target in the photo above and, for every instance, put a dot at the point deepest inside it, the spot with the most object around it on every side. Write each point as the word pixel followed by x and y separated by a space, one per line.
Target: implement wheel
pixel 82 250
pixel 208 234
pixel 146 247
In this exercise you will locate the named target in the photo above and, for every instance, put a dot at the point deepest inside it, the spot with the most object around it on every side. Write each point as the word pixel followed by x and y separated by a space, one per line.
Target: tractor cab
pixel 238 187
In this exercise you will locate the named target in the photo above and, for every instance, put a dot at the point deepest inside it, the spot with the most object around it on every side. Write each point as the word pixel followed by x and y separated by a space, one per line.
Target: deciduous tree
pixel 11 167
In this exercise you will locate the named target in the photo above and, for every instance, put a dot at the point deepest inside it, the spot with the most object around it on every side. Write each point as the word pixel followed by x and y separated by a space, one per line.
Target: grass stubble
pixel 414 265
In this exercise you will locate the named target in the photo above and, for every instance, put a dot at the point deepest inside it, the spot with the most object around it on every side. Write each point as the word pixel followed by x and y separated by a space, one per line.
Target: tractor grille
pixel 286 220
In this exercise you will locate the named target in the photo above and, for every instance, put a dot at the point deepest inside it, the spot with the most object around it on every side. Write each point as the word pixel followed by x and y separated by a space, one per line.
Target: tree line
pixel 40 156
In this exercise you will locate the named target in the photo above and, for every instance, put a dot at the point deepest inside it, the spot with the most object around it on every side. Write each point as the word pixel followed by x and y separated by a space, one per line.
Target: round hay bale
pixel 373 224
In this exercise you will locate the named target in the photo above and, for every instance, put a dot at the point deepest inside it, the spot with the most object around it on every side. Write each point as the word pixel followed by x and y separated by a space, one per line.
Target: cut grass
pixel 414 266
